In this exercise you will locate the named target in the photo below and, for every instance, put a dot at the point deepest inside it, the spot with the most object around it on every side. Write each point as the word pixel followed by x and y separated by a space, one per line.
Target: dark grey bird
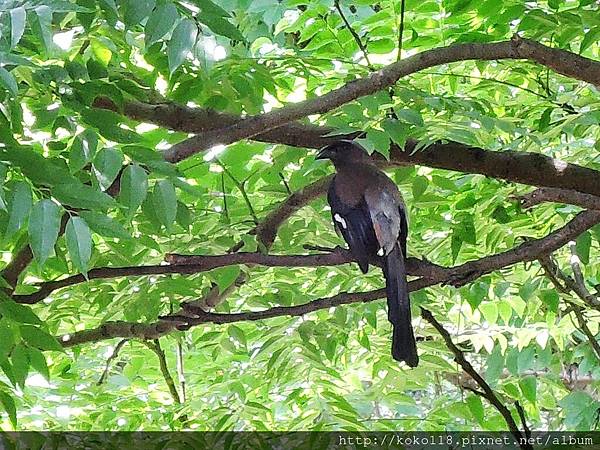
pixel 368 210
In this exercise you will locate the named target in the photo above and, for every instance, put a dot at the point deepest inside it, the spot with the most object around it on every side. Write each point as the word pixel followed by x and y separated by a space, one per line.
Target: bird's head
pixel 341 152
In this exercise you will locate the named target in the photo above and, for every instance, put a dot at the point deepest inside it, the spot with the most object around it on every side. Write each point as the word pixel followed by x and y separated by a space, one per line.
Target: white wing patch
pixel 339 219
pixel 380 252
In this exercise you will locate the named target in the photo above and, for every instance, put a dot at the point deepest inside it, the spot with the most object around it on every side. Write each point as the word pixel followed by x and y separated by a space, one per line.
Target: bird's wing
pixel 356 227
pixel 385 210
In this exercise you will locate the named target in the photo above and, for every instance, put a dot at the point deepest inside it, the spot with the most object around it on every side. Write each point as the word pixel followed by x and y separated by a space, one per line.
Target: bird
pixel 368 211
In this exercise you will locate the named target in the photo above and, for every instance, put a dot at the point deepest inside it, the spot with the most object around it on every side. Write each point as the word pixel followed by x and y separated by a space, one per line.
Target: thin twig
pixel 241 187
pixel 225 209
pixel 578 311
pixel 110 359
pixel 181 370
pixel 521 413
pixel 580 287
pixel 355 35
pixel 556 276
pixel 401 29
pixel 487 391
pixel 154 345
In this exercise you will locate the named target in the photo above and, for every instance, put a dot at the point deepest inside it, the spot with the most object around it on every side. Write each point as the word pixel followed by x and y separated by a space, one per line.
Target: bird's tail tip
pixel 404 347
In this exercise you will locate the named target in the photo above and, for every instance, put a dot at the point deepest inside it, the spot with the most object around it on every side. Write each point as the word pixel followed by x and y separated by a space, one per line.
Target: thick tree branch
pixel 521 167
pixel 527 168
pixel 561 61
pixel 458 275
pixel 198 120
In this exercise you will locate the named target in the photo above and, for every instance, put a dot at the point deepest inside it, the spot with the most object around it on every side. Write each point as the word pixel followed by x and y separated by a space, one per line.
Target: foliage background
pixel 326 370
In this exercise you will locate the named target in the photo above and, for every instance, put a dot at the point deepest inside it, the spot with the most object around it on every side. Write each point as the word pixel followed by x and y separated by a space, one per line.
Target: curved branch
pixel 198 120
pixel 266 231
pixel 561 61
pixel 154 345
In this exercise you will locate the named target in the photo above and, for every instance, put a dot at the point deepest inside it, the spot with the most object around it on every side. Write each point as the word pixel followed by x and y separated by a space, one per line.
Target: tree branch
pixel 521 413
pixel 486 391
pixel 458 275
pixel 154 345
pixel 521 167
pixel 542 195
pixel 191 264
pixel 267 229
pixel 110 359
pixel 561 61
pixel 556 276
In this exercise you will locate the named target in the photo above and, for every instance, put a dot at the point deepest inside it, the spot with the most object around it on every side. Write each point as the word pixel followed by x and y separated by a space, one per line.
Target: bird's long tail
pixel 404 347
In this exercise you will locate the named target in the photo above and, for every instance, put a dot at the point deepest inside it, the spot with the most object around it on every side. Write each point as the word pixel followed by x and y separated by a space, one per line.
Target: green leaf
pixel 583 245
pixel 107 164
pixel 17 25
pixel 591 36
pixel 79 243
pixel 19 359
pixel 9 406
pixel 411 116
pixel 19 205
pixel 104 225
pixel 455 245
pixel 8 81
pixel 134 188
pixel 208 7
pixel 42 27
pixel 550 298
pixel 237 334
pixel 528 386
pixel 221 26
pixel 37 360
pixel 161 21
pixel 82 150
pixel 419 186
pixel 108 124
pixel 184 216
pixel 18 313
pixel 80 195
pixel 44 225
pixel 7 339
pixel 34 166
pixel 476 407
pixel 40 339
pixel 397 131
pixel 109 5
pixel 225 277
pixel 526 359
pixel 164 200
pixel 181 43
pixel 136 11
pixel 494 366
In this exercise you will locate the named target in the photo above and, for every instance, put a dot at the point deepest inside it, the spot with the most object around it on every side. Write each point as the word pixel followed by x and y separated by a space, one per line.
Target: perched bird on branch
pixel 368 211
